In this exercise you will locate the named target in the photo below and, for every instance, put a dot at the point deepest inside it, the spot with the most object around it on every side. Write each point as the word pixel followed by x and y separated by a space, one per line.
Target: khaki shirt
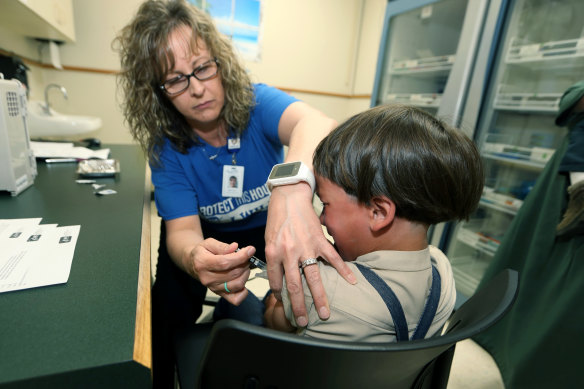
pixel 359 314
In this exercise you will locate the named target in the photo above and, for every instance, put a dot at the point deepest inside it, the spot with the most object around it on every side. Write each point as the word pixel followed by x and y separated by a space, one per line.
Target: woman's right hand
pixel 221 268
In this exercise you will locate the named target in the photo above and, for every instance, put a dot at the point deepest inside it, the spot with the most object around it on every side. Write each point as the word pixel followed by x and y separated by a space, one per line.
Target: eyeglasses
pixel 179 84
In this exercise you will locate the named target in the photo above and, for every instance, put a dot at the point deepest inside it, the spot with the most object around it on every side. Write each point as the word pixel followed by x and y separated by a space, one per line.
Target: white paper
pixel 13 232
pixel 13 228
pixel 66 150
pixel 34 255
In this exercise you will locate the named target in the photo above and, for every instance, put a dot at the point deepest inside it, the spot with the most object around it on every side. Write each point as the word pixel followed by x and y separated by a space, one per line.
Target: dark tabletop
pixel 79 334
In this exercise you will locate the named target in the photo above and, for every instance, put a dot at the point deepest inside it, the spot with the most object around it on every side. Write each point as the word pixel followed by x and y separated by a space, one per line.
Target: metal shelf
pixel 510 210
pixel 528 102
pixel 539 155
pixel 441 64
pixel 522 163
pixel 468 272
pixel 480 242
pixel 549 55
pixel 417 99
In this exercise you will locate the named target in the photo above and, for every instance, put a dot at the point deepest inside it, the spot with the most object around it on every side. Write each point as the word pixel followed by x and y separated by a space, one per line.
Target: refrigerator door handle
pixel 482 68
pixel 459 79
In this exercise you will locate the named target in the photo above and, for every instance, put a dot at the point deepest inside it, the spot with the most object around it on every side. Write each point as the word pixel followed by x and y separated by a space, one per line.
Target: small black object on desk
pixel 92 143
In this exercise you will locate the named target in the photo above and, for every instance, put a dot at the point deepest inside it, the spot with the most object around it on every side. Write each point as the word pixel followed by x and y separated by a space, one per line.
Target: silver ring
pixel 309 261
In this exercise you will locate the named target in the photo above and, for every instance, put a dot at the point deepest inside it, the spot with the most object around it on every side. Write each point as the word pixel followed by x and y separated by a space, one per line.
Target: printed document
pixel 33 254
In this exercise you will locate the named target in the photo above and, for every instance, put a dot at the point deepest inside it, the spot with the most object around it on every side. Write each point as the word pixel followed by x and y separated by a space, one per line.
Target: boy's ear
pixel 381 213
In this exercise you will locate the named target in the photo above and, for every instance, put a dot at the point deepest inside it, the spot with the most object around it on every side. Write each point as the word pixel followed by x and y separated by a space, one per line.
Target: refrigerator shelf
pixel 440 64
pixel 465 284
pixel 514 160
pixel 468 273
pixel 532 154
pixel 417 99
pixel 497 206
pixel 570 48
pixel 566 54
pixel 478 241
pixel 528 102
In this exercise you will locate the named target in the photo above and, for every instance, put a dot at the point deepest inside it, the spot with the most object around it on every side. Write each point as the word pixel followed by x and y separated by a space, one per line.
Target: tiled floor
pixel 472 366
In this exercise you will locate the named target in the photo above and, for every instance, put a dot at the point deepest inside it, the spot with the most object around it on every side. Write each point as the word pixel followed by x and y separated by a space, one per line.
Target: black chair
pixel 232 354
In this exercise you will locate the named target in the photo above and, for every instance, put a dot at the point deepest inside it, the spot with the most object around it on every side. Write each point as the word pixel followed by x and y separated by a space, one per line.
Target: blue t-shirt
pixel 191 183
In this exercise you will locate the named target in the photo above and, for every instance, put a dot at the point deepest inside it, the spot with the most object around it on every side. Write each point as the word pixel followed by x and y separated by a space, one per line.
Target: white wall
pixel 96 25
pixel 326 46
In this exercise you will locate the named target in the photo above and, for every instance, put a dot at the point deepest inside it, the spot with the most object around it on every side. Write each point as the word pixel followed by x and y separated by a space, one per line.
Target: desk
pixel 94 331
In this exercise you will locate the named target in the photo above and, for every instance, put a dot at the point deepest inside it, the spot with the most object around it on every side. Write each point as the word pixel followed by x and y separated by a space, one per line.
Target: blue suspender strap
pixel 395 308
pixel 430 307
pixel 390 299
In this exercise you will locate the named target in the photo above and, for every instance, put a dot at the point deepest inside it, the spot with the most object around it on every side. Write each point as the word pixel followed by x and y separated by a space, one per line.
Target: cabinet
pixel 47 19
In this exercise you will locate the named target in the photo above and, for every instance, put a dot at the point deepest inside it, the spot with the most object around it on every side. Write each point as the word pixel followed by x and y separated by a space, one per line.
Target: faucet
pixel 46 107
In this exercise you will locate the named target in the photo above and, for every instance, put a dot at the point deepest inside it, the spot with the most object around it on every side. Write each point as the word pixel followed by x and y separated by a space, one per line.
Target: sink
pixel 57 124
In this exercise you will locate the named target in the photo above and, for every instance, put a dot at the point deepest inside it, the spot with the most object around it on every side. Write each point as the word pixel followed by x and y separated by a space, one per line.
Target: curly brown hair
pixel 146 58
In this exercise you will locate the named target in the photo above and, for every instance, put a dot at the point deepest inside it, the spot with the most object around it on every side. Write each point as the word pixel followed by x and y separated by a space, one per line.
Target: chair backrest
pixel 240 355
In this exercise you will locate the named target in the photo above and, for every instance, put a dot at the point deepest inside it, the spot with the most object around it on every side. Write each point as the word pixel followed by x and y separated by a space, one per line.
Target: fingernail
pixel 323 313
pixel 302 321
pixel 251 251
pixel 352 279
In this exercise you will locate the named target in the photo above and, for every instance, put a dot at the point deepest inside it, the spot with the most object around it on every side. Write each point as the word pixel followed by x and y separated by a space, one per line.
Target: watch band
pixel 290 173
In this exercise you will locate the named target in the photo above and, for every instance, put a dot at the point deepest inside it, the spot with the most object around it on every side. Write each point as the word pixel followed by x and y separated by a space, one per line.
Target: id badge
pixel 232 181
pixel 233 144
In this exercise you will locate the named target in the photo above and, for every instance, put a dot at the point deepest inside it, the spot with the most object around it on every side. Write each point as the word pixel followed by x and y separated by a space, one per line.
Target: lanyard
pixel 233 145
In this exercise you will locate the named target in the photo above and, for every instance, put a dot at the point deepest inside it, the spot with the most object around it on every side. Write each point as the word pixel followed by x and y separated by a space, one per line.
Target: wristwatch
pixel 290 173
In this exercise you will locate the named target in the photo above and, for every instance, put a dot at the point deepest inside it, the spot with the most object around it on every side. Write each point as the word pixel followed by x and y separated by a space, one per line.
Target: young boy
pixel 384 176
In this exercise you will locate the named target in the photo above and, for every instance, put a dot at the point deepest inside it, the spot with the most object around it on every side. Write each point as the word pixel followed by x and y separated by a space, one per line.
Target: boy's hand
pixel 275 316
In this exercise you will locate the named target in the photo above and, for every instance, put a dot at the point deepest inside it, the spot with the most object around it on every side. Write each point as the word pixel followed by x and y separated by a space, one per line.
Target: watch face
pixel 285 170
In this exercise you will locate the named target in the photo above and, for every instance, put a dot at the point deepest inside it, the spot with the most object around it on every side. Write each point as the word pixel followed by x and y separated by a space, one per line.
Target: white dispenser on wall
pixel 17 163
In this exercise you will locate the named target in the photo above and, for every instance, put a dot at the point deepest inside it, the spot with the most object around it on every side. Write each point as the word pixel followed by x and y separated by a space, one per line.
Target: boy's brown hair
pixel 431 171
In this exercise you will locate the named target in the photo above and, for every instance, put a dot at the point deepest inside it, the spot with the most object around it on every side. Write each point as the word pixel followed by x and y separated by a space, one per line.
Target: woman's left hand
pixel 294 234
pixel 293 231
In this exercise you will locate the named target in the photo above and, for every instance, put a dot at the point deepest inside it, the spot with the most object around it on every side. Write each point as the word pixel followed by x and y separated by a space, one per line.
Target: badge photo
pixel 232 181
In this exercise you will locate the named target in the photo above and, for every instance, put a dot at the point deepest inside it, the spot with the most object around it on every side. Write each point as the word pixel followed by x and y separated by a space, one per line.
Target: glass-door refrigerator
pixel 532 51
pixel 427 54
pixel 427 57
